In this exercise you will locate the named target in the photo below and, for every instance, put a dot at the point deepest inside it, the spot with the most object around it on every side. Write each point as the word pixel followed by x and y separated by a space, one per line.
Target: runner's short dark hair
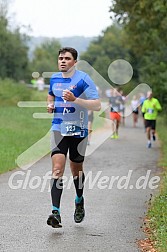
pixel 71 50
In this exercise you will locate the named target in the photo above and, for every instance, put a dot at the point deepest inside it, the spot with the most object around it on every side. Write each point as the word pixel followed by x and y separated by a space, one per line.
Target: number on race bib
pixel 70 128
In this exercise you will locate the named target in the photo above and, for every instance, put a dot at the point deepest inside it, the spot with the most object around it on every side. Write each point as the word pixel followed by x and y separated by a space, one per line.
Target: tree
pixel 13 51
pixel 145 23
pixel 45 57
pixel 107 48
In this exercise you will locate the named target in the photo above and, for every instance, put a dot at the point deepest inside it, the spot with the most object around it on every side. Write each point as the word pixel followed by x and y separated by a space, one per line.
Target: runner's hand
pixel 50 108
pixel 68 95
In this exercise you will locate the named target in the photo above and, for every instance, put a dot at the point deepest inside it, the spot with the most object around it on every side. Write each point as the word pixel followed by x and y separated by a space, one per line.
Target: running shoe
pixel 79 211
pixel 54 219
pixel 116 136
pixel 154 138
pixel 149 145
pixel 113 136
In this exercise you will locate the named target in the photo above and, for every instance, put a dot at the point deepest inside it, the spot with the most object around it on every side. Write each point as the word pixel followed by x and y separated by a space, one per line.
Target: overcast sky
pixel 62 18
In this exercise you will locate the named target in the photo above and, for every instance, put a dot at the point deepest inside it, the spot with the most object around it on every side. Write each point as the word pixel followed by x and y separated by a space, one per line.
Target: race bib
pixel 150 111
pixel 70 128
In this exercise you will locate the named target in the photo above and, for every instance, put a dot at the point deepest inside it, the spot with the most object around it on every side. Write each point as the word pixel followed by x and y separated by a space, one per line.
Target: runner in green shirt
pixel 150 108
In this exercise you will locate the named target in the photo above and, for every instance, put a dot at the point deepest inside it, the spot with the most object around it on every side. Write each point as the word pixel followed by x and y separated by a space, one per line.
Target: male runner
pixel 150 108
pixel 72 93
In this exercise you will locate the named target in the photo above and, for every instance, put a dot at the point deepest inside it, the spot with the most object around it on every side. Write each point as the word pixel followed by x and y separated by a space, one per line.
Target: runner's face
pixel 66 62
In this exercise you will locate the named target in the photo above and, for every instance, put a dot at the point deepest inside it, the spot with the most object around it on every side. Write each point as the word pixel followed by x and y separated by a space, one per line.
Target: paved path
pixel 113 215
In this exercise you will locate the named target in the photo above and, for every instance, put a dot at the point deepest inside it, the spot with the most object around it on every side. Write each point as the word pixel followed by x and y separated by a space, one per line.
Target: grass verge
pixel 18 131
pixel 157 213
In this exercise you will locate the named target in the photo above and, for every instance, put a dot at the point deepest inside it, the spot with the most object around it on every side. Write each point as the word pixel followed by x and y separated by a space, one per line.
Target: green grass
pixel 11 92
pixel 18 131
pixel 158 211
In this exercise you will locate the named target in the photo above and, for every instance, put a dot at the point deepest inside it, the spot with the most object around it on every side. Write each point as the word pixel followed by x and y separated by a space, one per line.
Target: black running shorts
pixel 63 144
pixel 150 124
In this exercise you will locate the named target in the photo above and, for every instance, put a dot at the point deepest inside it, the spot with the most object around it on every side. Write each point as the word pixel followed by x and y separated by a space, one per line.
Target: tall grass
pixel 158 210
pixel 11 92
pixel 18 131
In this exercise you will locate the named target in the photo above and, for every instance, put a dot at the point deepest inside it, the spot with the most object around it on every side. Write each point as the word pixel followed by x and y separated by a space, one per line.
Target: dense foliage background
pixel 138 34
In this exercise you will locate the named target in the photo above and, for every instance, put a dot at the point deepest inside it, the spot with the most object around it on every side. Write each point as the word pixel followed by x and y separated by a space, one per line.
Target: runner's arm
pixel 50 103
pixel 94 104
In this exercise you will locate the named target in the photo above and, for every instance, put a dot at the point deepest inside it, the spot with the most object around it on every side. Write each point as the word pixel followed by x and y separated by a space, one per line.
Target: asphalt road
pixel 115 205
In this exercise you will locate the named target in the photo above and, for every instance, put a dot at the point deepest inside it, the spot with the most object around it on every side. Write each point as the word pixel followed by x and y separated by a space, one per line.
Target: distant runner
pixel 150 108
pixel 115 102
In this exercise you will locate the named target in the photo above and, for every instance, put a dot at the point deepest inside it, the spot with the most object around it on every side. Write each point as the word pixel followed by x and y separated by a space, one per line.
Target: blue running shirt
pixel 69 118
